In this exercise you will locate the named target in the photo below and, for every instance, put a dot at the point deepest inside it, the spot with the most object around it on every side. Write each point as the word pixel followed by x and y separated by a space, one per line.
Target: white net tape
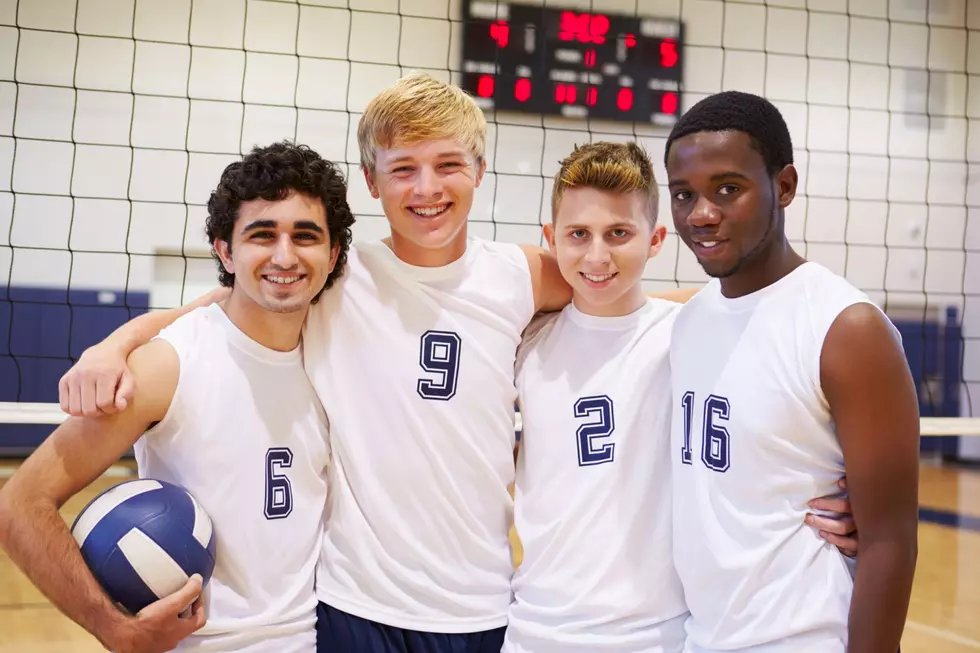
pixel 44 413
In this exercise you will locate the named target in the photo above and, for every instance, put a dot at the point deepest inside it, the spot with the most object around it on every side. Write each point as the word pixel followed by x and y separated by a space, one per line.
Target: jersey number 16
pixel 715 440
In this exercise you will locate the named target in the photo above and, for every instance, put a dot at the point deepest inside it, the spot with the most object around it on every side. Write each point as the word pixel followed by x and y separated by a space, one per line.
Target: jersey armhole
pixel 169 423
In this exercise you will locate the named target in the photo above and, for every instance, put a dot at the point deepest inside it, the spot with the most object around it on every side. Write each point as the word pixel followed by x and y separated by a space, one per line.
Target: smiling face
pixel 603 240
pixel 280 252
pixel 426 191
pixel 726 206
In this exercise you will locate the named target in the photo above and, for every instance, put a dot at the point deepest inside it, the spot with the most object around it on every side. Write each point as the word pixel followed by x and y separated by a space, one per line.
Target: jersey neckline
pixel 242 341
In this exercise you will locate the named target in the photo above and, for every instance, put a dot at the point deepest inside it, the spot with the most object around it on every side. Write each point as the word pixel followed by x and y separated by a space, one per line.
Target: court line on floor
pixel 943 634
pixel 949 518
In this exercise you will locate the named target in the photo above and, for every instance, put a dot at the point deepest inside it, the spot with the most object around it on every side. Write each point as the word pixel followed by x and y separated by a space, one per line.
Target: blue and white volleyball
pixel 143 539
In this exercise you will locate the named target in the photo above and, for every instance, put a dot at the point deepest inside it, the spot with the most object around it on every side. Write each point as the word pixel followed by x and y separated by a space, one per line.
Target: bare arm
pixel 551 291
pixel 34 534
pixel 100 383
pixel 866 379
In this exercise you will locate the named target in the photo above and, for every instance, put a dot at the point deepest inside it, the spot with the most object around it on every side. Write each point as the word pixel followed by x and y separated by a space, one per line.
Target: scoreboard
pixel 572 63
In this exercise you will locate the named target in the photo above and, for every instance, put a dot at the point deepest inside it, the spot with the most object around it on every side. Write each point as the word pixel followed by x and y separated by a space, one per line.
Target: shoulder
pixel 155 368
pixel 535 335
pixel 829 298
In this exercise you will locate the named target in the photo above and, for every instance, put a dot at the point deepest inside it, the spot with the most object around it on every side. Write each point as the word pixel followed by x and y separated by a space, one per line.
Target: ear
pixel 549 236
pixel 369 179
pixel 334 255
pixel 223 249
pixel 480 170
pixel 786 181
pixel 657 240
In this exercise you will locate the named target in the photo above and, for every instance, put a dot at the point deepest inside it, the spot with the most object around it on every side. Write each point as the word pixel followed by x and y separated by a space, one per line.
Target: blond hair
pixel 616 167
pixel 419 107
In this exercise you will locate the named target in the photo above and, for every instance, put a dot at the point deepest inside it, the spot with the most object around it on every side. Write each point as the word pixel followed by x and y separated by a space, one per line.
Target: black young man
pixel 783 375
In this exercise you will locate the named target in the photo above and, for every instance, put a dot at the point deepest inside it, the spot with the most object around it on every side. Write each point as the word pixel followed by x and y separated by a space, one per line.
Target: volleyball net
pixel 117 117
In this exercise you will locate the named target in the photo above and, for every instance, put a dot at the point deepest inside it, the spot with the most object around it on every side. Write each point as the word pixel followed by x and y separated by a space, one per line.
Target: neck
pixel 767 267
pixel 277 331
pixel 425 257
pixel 630 302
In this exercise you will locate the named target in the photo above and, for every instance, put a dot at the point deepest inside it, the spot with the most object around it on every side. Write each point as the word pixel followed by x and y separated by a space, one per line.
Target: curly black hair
pixel 271 173
pixel 745 112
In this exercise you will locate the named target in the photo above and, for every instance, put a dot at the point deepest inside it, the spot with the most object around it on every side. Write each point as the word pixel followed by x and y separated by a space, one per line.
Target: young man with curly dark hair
pixel 222 388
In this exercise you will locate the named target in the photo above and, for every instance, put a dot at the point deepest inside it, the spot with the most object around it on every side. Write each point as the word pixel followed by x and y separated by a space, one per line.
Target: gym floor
pixel 942 616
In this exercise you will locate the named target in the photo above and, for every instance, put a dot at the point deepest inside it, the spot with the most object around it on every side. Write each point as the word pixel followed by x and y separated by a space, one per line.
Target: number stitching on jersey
pixel 715 438
pixel 439 354
pixel 587 433
pixel 278 489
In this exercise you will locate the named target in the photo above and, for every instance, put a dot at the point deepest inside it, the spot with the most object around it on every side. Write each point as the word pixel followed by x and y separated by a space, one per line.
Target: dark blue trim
pixel 945 518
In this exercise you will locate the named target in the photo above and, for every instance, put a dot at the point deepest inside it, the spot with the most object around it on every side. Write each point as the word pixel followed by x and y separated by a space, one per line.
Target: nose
pixel 598 253
pixel 427 183
pixel 704 214
pixel 284 255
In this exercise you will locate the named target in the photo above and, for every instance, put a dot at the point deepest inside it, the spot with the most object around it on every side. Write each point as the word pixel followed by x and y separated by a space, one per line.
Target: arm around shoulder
pixel 33 532
pixel 551 291
pixel 867 382
pixel 100 383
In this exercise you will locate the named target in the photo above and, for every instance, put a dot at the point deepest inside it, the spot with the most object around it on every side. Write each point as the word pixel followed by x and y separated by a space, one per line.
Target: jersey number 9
pixel 439 354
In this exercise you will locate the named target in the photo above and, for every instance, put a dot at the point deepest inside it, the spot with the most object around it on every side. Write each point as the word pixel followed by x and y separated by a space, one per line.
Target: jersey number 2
pixel 591 451
pixel 439 354
pixel 278 491
pixel 715 440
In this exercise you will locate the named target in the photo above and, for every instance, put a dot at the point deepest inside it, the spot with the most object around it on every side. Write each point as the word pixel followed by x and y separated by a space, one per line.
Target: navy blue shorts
pixel 339 632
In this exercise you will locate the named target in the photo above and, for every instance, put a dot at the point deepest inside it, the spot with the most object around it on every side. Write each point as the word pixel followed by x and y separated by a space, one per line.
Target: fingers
pixel 64 401
pixel 847 545
pixel 842 483
pixel 125 392
pixel 843 525
pixel 840 505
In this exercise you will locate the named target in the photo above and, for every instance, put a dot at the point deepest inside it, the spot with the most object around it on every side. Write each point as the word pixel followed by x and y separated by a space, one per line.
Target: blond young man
pixel 412 355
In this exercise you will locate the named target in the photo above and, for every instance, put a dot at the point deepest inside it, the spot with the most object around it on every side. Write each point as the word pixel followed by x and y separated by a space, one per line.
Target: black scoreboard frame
pixel 573 63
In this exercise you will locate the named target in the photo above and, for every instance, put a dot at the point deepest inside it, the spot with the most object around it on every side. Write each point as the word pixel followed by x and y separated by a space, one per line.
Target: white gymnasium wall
pixel 116 117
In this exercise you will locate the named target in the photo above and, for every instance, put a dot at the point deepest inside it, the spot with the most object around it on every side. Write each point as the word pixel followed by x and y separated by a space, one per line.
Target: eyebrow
pixel 622 223
pixel 443 155
pixel 304 225
pixel 731 174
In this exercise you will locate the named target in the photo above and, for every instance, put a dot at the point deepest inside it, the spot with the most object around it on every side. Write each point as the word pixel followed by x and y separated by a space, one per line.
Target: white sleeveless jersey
pixel 415 367
pixel 246 436
pixel 752 440
pixel 592 497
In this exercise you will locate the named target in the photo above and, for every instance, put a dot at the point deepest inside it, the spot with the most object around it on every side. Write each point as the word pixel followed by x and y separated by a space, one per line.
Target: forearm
pixel 38 541
pixel 880 601
pixel 142 329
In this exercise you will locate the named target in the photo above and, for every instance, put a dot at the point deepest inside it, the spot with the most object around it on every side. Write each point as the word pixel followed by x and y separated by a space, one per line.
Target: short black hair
pixel 271 173
pixel 744 112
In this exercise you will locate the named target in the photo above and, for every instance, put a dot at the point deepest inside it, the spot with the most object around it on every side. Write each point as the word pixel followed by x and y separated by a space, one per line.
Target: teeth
pixel 597 278
pixel 709 243
pixel 283 280
pixel 428 211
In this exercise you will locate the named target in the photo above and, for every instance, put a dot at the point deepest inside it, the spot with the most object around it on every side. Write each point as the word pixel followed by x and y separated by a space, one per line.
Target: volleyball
pixel 143 539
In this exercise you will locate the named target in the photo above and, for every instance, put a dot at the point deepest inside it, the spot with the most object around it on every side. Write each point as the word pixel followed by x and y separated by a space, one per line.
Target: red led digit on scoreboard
pixel 624 99
pixel 584 28
pixel 484 86
pixel 591 96
pixel 500 32
pixel 522 90
pixel 668 53
pixel 668 103
pixel 565 93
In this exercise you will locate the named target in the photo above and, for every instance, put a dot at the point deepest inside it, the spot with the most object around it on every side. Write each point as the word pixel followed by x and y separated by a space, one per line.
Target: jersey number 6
pixel 278 491
pixel 439 354
pixel 715 440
